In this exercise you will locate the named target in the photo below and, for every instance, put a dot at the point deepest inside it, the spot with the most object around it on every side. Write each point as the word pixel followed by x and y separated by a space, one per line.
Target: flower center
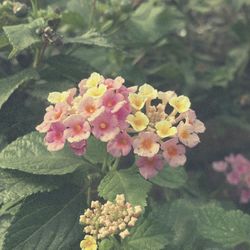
pixel 172 151
pixel 103 125
pixel 147 144
pixel 123 141
pixel 184 134
pixel 90 109
pixel 58 114
pixel 77 128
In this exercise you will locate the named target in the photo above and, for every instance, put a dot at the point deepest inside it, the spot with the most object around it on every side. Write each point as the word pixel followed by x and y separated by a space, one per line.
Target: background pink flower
pixel 149 167
pixel 220 166
pixel 174 153
pixel 120 145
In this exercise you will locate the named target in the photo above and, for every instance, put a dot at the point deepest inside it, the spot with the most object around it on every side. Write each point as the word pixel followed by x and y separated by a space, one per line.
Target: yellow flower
pixel 56 97
pixel 166 96
pixel 180 103
pixel 93 80
pixel 148 91
pixel 137 101
pixel 89 243
pixel 139 121
pixel 96 92
pixel 165 129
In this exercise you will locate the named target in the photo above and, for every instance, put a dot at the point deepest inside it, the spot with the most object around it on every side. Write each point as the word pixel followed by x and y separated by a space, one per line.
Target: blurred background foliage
pixel 199 48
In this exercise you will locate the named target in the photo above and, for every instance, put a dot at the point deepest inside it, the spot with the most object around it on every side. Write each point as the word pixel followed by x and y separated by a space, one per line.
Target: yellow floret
pixel 180 103
pixel 56 97
pixel 139 121
pixel 148 91
pixel 137 101
pixel 96 92
pixel 165 129
pixel 89 243
pixel 93 80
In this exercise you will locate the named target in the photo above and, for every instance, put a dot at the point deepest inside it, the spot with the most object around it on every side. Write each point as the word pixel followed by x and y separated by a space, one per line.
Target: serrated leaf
pixel 170 177
pixel 127 182
pixel 15 186
pixel 228 228
pixel 5 222
pixel 47 221
pixel 9 84
pixel 22 36
pixel 90 38
pixel 29 154
pixel 149 234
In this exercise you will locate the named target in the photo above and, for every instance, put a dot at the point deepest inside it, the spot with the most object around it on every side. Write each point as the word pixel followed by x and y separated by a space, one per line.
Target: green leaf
pixel 3 41
pixel 9 84
pixel 90 38
pixel 47 221
pixel 29 154
pixel 127 182
pixel 228 228
pixel 5 222
pixel 171 177
pixel 22 36
pixel 149 234
pixel 96 151
pixel 15 186
pixel 109 244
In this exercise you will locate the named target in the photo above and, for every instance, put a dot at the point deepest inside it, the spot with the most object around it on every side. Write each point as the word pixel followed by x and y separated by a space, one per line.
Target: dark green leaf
pixel 29 154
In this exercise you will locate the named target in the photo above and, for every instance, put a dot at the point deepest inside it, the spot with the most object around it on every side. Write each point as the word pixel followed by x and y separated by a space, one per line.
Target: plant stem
pixel 116 163
pixel 89 190
pixel 34 7
pixel 92 13
pixel 104 164
pixel 36 58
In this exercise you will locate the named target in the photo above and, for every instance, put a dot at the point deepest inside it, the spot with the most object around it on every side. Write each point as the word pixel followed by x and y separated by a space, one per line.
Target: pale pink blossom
pixel 114 83
pixel 77 128
pixel 174 153
pixel 220 166
pixel 120 145
pixel 238 162
pixel 244 195
pixel 121 116
pixel 54 139
pixel 79 148
pixel 90 107
pixel 149 167
pixel 82 86
pixel 105 127
pixel 72 93
pixel 146 144
pixel 233 178
pixel 187 135
pixel 198 126
pixel 112 101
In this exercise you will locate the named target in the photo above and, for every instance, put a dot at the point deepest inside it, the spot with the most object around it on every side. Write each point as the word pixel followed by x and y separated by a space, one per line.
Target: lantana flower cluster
pixel 236 169
pixel 111 218
pixel 155 125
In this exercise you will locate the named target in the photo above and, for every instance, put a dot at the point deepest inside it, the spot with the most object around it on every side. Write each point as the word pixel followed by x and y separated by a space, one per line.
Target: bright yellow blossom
pixel 165 129
pixel 139 121
pixel 93 80
pixel 89 243
pixel 137 101
pixel 56 97
pixel 180 103
pixel 148 91
pixel 96 92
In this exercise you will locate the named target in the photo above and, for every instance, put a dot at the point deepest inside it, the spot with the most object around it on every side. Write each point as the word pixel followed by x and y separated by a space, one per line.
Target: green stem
pixel 116 163
pixel 89 190
pixel 91 19
pixel 104 164
pixel 34 7
pixel 36 58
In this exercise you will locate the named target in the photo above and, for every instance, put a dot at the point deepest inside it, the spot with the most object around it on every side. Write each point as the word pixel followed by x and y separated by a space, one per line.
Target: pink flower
pixel 54 114
pixel 112 101
pixel 146 144
pixel 149 167
pixel 220 166
pixel 233 178
pixel 187 135
pixel 244 195
pixel 198 125
pixel 82 86
pixel 239 163
pixel 72 93
pixel 77 128
pixel 54 138
pixel 122 114
pixel 114 84
pixel 174 153
pixel 105 127
pixel 79 148
pixel 120 145
pixel 90 108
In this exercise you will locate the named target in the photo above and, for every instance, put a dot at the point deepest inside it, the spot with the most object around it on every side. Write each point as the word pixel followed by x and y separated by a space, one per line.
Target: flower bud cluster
pixel 236 169
pixel 110 218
